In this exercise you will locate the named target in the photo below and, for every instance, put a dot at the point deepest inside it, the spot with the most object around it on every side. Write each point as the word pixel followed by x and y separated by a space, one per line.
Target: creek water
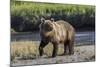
pixel 87 38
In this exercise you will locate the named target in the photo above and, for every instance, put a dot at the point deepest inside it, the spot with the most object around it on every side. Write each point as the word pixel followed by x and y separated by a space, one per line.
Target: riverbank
pixel 27 54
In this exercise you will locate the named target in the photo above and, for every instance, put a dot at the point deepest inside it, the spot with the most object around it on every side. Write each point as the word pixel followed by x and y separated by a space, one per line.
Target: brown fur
pixel 56 33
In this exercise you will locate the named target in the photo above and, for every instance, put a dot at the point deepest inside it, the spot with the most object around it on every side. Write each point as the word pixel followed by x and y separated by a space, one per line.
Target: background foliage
pixel 25 16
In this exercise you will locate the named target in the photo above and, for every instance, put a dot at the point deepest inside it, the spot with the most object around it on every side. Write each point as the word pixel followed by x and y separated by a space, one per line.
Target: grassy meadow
pixel 29 50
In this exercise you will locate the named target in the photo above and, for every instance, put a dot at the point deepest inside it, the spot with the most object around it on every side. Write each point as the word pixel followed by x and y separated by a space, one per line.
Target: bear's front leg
pixel 42 45
pixel 55 49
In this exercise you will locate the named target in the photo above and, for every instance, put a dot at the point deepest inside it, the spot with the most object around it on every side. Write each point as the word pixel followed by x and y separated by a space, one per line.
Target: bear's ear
pixel 42 20
pixel 52 19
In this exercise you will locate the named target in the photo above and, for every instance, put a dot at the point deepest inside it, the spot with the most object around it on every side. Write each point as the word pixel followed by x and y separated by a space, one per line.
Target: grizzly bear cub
pixel 56 32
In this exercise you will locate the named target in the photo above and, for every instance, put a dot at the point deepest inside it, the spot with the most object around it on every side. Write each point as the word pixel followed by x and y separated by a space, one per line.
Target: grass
pixel 31 8
pixel 24 50
pixel 29 50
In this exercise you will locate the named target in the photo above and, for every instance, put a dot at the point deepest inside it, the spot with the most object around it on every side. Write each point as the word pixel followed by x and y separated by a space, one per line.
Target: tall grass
pixel 29 50
pixel 23 50
pixel 26 15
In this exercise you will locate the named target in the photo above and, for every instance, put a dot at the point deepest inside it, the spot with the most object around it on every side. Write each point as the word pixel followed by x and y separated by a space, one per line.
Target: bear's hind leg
pixel 65 48
pixel 71 47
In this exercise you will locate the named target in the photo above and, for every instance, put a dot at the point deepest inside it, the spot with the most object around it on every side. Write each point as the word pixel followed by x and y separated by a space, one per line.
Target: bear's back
pixel 65 25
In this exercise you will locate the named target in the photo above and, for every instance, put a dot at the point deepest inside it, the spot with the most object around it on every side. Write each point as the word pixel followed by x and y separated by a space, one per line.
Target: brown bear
pixel 56 32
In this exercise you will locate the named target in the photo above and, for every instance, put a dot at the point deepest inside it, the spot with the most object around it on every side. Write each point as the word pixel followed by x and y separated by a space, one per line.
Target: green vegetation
pixel 25 16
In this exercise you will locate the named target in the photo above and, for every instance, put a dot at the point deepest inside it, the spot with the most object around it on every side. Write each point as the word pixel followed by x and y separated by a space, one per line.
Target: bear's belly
pixel 61 41
pixel 57 40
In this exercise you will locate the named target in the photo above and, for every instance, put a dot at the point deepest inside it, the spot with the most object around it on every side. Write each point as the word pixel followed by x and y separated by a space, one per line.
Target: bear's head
pixel 46 25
